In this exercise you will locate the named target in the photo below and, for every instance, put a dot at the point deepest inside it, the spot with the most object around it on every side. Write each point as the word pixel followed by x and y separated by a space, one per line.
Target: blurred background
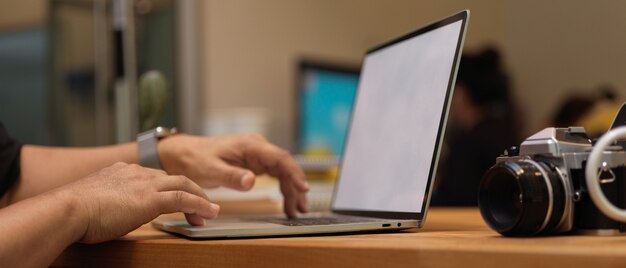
pixel 94 72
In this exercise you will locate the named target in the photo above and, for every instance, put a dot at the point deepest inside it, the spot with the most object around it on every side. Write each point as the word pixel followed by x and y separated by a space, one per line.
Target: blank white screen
pixel 395 123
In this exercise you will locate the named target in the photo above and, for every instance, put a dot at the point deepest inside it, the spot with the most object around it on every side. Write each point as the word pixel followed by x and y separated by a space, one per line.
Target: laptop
pixel 392 147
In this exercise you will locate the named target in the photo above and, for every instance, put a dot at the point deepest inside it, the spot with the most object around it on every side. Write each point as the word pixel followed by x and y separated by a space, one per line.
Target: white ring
pixel 593 185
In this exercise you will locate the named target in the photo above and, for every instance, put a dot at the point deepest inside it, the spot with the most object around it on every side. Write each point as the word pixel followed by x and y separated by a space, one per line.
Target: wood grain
pixel 452 237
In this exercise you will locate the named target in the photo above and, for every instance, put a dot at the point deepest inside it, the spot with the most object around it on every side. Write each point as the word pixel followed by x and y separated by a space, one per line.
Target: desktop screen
pixel 325 106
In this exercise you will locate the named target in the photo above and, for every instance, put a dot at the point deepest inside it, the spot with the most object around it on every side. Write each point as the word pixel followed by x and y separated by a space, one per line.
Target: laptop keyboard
pixel 320 221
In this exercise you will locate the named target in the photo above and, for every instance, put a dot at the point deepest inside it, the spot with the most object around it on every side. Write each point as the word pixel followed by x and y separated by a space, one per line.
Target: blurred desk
pixel 452 237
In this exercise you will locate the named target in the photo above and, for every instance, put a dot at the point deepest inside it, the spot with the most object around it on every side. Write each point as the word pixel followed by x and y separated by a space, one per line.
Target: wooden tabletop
pixel 452 237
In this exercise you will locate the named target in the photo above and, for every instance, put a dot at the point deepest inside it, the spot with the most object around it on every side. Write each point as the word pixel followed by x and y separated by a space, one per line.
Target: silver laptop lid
pixel 398 122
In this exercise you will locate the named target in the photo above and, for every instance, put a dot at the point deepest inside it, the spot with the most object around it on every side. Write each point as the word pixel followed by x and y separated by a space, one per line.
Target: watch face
pixel 162 132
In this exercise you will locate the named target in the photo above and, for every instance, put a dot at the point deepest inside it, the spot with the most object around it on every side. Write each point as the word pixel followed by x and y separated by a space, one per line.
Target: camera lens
pixel 522 198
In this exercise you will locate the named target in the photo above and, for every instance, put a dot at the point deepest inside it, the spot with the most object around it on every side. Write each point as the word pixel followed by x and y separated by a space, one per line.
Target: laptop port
pixel 399 224
pixel 386 225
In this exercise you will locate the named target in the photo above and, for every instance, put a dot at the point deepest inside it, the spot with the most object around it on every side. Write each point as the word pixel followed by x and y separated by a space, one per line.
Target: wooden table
pixel 452 237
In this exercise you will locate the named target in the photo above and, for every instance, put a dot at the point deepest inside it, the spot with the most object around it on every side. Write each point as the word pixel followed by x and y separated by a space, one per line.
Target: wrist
pixel 74 211
pixel 172 155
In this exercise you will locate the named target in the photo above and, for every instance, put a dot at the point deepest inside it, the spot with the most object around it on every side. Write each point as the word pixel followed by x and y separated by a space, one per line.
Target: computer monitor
pixel 325 96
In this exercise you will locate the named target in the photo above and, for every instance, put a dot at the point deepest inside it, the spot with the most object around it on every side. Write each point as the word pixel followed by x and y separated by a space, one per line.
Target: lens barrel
pixel 522 198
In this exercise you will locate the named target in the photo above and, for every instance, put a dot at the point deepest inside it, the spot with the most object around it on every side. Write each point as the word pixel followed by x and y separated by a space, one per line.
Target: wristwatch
pixel 147 143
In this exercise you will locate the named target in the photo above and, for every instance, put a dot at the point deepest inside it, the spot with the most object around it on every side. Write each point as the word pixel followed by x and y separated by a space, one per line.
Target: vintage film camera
pixel 545 186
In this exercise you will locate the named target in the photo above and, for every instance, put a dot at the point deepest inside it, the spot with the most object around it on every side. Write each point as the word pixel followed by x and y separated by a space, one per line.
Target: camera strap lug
pixel 605 174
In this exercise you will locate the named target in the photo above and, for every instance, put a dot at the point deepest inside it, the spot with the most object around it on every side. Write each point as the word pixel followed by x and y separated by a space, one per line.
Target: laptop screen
pixel 398 121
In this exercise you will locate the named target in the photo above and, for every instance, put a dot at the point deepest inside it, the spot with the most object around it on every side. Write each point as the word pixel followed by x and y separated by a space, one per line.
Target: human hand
pixel 233 161
pixel 122 197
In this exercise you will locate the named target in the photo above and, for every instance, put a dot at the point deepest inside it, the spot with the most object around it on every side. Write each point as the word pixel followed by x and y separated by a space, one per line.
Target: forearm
pixel 36 230
pixel 46 168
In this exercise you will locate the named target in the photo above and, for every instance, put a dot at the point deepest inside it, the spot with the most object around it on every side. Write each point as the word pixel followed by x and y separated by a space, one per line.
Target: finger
pixel 234 177
pixel 302 203
pixel 294 196
pixel 180 201
pixel 290 199
pixel 173 183
pixel 194 219
pixel 276 162
pixel 178 183
pixel 253 163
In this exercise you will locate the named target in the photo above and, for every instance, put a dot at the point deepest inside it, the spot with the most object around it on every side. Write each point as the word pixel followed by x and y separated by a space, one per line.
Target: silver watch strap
pixel 148 153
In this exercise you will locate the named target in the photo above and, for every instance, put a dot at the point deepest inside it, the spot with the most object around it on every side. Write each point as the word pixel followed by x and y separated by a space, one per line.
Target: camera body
pixel 540 189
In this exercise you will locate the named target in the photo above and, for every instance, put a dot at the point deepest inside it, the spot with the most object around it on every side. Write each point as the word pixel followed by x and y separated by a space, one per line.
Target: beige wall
pixel 252 46
pixel 555 46
pixel 21 13
pixel 550 47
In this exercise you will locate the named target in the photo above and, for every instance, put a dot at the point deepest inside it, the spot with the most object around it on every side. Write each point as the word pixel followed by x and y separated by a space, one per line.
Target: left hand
pixel 120 198
pixel 233 161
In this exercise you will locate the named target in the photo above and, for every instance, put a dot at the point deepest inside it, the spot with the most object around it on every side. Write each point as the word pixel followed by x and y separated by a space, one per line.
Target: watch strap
pixel 148 152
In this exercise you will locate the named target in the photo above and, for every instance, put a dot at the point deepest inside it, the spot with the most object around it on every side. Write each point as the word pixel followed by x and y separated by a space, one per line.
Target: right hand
pixel 122 197
pixel 234 161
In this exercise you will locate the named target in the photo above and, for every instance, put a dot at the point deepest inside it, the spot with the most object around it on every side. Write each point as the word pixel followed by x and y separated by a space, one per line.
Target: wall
pixel 22 13
pixel 556 46
pixel 252 46
pixel 550 47
pixel 22 72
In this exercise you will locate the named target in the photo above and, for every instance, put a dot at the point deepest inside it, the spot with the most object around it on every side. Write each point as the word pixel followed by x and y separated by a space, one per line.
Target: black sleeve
pixel 9 160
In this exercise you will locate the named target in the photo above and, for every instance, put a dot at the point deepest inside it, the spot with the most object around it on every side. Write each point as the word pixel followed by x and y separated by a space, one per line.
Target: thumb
pixel 234 177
